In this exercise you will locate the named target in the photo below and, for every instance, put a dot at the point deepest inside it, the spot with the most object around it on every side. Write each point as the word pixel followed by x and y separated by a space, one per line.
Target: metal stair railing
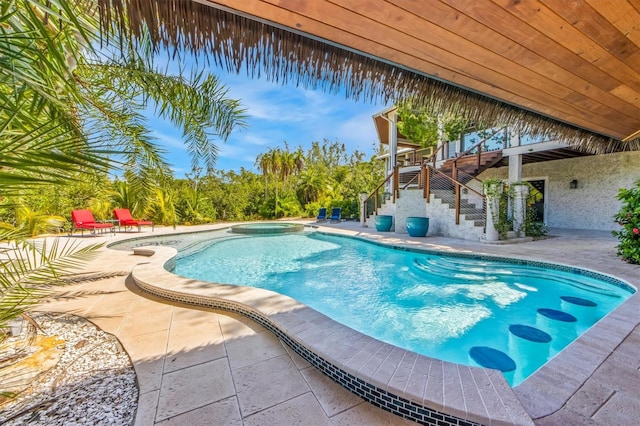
pixel 452 191
pixel 377 197
pixel 465 199
pixel 477 146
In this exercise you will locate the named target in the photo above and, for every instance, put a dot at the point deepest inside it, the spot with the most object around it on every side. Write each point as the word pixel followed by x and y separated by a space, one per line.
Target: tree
pixel 41 137
pixel 69 110
pixel 66 104
pixel 233 195
pixel 281 165
pixel 417 125
pixel 312 185
pixel 420 126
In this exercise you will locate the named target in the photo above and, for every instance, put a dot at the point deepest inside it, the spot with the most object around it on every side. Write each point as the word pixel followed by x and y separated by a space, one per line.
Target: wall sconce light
pixel 573 184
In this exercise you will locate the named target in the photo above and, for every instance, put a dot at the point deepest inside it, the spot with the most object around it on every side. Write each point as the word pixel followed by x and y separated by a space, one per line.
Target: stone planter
pixel 417 226
pixel 384 223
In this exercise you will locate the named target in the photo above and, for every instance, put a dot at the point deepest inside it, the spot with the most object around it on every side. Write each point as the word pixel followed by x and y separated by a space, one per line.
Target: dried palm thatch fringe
pixel 236 42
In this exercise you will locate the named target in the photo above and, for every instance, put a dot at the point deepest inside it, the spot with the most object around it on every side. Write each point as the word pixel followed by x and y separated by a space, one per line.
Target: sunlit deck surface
pixel 197 364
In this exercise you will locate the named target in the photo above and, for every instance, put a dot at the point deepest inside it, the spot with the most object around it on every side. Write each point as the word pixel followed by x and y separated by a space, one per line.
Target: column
pixel 363 210
pixel 393 145
pixel 520 193
pixel 493 191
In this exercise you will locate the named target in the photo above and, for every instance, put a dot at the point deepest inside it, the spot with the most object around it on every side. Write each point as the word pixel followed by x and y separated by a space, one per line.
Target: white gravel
pixel 93 383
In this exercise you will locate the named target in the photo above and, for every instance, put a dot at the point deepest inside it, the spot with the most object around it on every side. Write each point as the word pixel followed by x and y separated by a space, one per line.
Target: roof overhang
pixel 542 151
pixel 382 124
pixel 569 70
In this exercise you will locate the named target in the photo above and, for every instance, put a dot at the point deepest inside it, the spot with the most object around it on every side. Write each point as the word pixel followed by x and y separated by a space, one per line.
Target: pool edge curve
pixel 400 381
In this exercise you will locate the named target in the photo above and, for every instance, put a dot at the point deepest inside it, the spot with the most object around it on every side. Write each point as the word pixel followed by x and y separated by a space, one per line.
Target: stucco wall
pixel 593 203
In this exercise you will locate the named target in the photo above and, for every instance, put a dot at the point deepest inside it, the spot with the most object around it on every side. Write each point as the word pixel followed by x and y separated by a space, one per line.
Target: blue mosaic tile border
pixel 373 394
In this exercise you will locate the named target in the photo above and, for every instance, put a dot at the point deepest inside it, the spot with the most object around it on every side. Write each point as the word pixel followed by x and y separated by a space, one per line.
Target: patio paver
pixel 172 346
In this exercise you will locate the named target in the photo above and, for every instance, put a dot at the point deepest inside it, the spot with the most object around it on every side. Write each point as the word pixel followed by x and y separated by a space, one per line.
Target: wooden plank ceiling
pixel 574 61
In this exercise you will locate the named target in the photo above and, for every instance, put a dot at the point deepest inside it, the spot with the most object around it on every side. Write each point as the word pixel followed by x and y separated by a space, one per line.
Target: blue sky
pixel 278 113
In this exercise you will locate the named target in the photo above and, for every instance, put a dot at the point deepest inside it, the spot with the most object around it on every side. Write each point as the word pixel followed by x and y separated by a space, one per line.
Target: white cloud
pixel 276 114
pixel 169 141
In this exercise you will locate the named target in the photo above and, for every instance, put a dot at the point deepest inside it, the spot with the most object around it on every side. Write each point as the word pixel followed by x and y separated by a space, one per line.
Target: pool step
pixel 443 267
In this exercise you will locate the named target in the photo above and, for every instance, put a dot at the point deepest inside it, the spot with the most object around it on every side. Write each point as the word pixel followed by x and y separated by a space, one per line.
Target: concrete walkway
pixel 210 367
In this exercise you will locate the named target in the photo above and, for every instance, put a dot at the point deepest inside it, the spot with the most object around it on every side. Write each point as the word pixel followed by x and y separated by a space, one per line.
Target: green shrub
pixel 629 219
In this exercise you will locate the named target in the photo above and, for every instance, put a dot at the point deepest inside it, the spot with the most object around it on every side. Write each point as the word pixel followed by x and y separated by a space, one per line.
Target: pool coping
pixel 401 381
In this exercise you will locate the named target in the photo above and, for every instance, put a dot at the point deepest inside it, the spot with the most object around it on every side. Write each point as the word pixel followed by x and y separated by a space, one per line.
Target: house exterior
pixel 580 192
pixel 579 189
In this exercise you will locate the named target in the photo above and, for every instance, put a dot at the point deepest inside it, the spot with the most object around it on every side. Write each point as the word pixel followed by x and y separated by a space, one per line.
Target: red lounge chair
pixel 125 219
pixel 83 219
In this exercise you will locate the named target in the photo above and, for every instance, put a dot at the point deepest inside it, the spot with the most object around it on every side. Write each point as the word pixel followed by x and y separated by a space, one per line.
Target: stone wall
pixel 441 217
pixel 593 203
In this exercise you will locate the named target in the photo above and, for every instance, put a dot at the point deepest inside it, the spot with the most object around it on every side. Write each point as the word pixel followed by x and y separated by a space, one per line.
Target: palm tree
pixel 66 104
pixel 125 197
pixel 162 209
pixel 41 139
pixel 68 108
pixel 270 163
pixel 312 185
pixel 30 268
pixel 263 162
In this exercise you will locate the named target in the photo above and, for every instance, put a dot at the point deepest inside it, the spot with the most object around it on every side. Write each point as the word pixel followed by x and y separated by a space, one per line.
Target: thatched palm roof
pixel 246 44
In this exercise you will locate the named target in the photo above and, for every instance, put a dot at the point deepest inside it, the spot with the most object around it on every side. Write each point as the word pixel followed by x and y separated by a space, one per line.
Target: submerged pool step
pixel 560 324
pixel 584 309
pixel 449 273
pixel 488 357
pixel 451 268
pixel 530 346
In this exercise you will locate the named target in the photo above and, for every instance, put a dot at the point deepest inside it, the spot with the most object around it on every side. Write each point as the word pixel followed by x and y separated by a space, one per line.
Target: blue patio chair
pixel 335 215
pixel 322 215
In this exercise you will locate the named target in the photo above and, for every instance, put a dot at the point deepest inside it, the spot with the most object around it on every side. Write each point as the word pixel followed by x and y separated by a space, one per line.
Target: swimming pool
pixel 459 309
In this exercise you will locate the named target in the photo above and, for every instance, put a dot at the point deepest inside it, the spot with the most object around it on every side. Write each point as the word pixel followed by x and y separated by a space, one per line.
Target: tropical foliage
pixel 422 127
pixel 503 220
pixel 629 219
pixel 325 175
pixel 67 105
pixel 71 112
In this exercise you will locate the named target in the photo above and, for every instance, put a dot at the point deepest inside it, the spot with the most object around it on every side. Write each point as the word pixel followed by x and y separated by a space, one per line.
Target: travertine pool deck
pixel 203 364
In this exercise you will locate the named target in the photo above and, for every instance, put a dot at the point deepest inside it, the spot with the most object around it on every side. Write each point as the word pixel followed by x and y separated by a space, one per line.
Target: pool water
pixel 457 309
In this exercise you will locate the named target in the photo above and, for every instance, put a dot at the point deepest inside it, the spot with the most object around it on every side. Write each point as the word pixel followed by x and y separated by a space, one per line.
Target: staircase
pixel 470 211
pixel 470 164
pixel 450 196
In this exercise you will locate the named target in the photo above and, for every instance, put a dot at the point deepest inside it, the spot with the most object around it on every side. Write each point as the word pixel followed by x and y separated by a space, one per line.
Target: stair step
pixel 473 216
pixel 468 210
pixel 464 204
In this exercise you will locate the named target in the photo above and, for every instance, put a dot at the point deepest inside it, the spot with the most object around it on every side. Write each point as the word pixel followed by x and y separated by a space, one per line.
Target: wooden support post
pixel 457 204
pixel 427 183
pixel 396 176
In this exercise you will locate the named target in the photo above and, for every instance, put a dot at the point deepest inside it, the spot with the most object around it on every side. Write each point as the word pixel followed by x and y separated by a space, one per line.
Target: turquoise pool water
pixel 464 310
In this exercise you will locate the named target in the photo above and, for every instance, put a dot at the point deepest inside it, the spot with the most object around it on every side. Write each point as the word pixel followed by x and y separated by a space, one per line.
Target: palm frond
pixel 28 269
pixel 198 105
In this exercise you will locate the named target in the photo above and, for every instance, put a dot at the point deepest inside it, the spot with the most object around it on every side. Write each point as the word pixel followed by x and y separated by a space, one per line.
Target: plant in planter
pixel 629 219
pixel 496 188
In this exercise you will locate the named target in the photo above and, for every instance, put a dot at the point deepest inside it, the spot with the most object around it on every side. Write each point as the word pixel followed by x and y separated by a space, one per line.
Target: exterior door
pixel 539 205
